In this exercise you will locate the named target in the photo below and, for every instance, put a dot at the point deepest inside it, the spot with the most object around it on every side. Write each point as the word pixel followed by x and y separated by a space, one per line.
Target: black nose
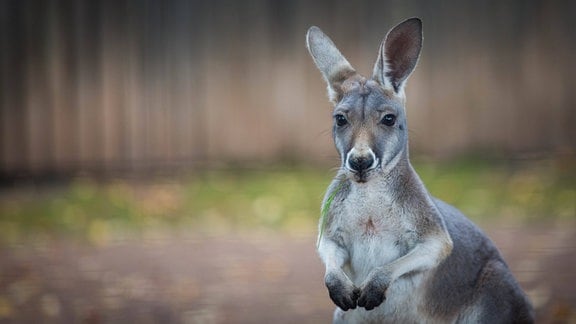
pixel 360 163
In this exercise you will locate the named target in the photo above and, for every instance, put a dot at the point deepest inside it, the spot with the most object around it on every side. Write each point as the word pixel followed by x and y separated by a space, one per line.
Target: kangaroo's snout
pixel 361 162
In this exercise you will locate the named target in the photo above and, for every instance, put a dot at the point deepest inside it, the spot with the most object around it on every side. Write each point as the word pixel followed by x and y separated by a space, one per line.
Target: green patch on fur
pixel 324 210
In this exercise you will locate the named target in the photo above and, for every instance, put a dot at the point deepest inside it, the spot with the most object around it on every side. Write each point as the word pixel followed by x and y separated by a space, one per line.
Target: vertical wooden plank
pixel 38 103
pixel 61 66
pixel 89 79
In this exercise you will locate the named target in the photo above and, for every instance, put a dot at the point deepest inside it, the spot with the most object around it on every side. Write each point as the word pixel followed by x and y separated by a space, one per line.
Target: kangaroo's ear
pixel 333 65
pixel 398 55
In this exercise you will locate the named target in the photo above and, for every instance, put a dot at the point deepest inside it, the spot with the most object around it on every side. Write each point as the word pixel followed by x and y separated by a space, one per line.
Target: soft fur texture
pixel 393 253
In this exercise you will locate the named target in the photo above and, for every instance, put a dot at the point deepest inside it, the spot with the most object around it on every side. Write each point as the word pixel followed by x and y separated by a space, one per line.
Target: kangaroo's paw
pixel 373 291
pixel 342 290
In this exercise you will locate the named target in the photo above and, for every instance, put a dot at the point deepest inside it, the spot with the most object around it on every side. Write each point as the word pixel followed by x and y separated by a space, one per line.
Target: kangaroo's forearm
pixel 425 255
pixel 333 255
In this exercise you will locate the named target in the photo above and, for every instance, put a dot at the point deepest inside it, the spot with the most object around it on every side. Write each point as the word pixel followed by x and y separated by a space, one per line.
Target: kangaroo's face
pixel 369 129
pixel 369 119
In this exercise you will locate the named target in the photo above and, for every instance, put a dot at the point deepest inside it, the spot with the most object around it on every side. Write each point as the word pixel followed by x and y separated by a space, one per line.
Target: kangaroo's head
pixel 370 130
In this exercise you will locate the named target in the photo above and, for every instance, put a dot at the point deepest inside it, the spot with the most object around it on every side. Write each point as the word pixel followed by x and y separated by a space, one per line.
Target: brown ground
pixel 260 278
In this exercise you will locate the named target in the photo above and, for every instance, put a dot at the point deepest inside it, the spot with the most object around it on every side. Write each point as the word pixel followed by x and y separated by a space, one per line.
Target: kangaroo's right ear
pixel 333 65
pixel 398 55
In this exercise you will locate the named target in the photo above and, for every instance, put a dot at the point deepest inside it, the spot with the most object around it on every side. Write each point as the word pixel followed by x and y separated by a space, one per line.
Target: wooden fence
pixel 132 84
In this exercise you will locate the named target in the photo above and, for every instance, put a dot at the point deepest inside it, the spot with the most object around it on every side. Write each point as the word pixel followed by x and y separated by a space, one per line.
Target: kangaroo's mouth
pixel 361 177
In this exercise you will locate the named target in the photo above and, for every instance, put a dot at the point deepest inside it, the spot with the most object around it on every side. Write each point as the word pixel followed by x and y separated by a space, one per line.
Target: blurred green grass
pixel 285 199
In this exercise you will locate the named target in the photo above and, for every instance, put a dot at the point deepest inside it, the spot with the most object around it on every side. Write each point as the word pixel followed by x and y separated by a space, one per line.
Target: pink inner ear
pixel 402 48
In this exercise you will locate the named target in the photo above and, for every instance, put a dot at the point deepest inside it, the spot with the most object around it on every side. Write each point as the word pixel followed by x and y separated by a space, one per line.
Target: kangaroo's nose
pixel 360 163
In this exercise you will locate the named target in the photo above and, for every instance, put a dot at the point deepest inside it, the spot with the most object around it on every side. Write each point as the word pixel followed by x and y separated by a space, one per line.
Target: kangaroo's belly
pixel 369 253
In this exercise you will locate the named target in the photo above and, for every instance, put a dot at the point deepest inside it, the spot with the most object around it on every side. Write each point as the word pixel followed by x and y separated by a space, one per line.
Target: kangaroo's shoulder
pixel 460 227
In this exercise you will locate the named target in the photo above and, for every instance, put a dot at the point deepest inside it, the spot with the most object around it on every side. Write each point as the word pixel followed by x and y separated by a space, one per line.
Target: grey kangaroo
pixel 393 253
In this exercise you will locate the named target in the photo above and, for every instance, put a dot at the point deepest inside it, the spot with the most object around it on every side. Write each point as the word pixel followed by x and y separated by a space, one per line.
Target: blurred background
pixel 164 161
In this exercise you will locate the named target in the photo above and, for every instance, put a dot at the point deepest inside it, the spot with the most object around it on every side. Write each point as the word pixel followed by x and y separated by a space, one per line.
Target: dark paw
pixel 373 294
pixel 342 291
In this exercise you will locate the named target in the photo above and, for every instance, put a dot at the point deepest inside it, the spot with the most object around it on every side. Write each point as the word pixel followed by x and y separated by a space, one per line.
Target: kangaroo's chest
pixel 374 230
pixel 371 215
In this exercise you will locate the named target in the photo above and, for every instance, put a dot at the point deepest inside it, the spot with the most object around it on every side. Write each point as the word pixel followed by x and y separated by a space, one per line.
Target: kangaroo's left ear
pixel 333 65
pixel 398 55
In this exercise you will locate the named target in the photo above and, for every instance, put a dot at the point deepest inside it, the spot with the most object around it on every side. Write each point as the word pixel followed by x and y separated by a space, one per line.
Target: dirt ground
pixel 256 278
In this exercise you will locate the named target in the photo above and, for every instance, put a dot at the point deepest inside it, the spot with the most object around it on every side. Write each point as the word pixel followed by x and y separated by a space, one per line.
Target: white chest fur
pixel 374 231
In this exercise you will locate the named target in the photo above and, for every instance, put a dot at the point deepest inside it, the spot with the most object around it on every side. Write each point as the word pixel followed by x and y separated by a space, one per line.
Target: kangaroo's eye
pixel 388 120
pixel 340 120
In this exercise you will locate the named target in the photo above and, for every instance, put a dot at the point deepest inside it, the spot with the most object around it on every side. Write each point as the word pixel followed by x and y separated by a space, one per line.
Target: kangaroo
pixel 393 253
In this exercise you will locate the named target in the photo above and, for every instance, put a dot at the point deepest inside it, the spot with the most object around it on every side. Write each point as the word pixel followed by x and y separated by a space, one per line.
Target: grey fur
pixel 393 253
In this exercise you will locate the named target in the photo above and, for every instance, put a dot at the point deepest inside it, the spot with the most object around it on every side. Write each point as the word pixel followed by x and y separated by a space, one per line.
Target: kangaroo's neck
pixel 405 184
